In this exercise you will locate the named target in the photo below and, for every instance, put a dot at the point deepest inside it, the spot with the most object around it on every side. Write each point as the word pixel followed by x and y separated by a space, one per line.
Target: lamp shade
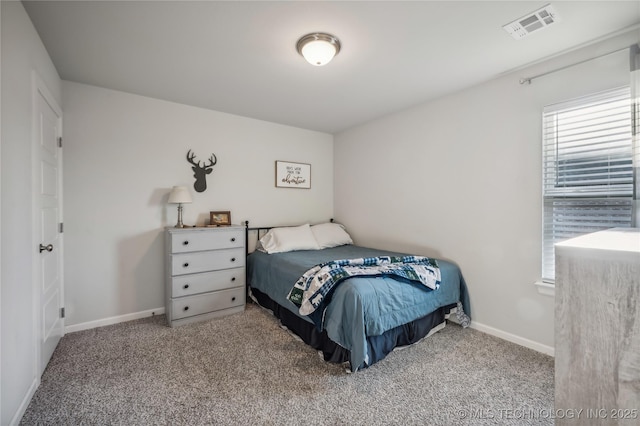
pixel 179 194
pixel 318 48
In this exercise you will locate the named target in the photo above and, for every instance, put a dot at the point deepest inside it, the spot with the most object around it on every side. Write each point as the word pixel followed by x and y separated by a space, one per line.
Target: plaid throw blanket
pixel 315 286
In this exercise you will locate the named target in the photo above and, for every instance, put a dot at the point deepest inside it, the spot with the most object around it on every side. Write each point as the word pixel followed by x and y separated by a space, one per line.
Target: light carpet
pixel 244 369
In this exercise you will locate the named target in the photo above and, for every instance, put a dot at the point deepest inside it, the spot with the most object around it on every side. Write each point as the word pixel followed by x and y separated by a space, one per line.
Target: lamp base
pixel 180 224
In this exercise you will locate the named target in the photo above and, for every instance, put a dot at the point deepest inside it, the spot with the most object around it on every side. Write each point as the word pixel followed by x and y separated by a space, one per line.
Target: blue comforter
pixel 360 306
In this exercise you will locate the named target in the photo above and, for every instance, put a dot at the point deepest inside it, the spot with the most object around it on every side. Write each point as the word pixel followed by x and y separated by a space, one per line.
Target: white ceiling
pixel 239 56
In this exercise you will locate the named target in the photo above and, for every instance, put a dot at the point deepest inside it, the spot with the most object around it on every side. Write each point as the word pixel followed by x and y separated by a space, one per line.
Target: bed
pixel 366 317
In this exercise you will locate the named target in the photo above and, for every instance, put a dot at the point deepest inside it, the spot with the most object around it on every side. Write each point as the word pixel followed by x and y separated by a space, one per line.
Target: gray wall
pixel 122 155
pixel 22 53
pixel 460 178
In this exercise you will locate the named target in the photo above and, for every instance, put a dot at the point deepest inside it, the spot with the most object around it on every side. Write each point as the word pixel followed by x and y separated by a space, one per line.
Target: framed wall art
pixel 293 175
pixel 220 218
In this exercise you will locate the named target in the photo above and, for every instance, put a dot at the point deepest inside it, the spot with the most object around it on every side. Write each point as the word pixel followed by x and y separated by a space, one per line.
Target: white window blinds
pixel 587 170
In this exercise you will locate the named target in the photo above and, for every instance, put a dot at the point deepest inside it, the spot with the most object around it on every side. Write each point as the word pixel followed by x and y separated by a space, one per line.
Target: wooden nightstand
pixel 205 273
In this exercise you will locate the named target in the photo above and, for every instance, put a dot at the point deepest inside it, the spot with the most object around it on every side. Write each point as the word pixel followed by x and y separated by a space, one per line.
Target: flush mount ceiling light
pixel 318 48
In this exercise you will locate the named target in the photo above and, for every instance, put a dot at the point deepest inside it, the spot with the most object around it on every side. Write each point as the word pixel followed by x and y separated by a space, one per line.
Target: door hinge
pixel 61 312
pixel 60 142
pixel 61 227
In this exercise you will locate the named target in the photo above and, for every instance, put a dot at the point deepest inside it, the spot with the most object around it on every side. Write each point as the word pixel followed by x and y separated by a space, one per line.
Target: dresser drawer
pixel 198 240
pixel 203 303
pixel 184 285
pixel 203 261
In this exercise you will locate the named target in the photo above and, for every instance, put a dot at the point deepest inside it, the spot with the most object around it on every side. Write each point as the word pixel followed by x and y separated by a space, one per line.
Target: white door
pixel 47 224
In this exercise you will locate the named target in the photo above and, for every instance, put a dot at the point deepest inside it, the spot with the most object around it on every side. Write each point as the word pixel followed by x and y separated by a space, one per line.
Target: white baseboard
pixel 113 320
pixel 548 350
pixel 25 402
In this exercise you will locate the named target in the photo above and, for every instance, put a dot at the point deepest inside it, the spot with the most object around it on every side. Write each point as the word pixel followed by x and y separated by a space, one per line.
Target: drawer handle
pixel 233 299
pixel 233 259
pixel 233 278
pixel 186 308
pixel 186 242
pixel 233 239
pixel 185 264
pixel 186 286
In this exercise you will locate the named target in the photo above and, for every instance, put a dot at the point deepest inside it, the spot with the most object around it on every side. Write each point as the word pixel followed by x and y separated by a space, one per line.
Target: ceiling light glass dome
pixel 318 48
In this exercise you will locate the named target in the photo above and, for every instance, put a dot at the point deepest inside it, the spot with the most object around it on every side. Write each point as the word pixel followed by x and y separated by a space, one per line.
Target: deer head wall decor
pixel 200 172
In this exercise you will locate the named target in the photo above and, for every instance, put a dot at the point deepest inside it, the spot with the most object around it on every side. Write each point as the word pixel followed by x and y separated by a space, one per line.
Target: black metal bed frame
pixel 258 230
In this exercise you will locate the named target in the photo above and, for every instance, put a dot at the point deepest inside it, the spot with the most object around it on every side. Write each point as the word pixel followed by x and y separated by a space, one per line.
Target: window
pixel 587 171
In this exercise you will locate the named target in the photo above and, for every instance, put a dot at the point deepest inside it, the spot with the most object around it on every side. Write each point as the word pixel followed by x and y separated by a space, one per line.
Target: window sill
pixel 547 289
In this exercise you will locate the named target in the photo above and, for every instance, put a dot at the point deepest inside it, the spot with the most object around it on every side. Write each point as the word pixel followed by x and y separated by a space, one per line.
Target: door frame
pixel 39 88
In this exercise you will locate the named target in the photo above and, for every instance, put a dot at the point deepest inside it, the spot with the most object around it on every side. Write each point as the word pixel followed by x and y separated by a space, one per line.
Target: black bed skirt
pixel 379 346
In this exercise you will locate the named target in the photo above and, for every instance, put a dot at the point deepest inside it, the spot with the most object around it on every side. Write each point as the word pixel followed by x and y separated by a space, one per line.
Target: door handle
pixel 47 248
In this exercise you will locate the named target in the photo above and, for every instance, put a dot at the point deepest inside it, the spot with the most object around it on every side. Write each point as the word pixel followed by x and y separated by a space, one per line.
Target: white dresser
pixel 205 273
pixel 597 328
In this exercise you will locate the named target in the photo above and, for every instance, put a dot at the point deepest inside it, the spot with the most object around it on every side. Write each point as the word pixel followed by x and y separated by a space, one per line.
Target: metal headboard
pixel 260 231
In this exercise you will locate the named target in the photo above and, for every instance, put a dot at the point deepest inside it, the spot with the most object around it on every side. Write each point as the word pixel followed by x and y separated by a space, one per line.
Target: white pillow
pixel 279 240
pixel 330 235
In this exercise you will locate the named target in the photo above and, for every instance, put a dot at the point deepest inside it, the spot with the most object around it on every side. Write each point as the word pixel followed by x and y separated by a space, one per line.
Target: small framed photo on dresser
pixel 220 218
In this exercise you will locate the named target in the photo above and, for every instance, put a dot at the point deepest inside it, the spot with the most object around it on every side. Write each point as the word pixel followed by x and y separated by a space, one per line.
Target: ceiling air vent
pixel 532 22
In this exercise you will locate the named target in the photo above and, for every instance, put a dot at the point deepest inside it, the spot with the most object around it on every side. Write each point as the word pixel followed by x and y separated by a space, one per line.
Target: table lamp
pixel 179 195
